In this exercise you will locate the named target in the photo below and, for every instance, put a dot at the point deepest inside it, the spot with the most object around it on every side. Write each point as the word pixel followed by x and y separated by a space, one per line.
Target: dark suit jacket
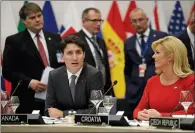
pixel 134 84
pixel 183 36
pixel 90 60
pixel 59 93
pixel 22 61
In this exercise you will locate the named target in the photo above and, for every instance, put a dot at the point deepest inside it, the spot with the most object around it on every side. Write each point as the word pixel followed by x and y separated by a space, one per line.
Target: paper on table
pixel 44 79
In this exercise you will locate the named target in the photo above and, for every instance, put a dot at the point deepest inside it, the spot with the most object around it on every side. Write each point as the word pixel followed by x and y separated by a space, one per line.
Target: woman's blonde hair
pixel 172 45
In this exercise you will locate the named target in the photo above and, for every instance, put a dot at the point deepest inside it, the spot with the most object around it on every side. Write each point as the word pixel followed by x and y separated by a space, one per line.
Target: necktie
pixel 142 42
pixel 42 51
pixel 72 85
pixel 98 58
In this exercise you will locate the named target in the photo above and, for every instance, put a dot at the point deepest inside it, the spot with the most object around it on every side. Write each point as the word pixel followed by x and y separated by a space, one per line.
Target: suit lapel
pixel 80 85
pixel 65 84
pixel 31 47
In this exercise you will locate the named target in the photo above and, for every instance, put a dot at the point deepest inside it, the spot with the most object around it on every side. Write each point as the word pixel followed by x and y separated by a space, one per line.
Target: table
pixel 56 128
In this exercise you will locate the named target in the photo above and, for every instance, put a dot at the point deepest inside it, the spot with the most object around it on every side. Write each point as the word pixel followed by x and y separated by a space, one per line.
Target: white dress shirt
pixel 70 74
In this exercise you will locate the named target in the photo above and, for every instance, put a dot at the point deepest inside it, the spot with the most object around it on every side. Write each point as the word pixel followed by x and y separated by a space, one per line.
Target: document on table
pixel 137 123
pixel 50 120
pixel 44 79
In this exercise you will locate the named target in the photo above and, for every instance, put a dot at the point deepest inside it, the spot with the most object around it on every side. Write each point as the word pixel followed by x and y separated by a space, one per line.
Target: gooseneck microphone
pixel 19 83
pixel 181 101
pixel 114 83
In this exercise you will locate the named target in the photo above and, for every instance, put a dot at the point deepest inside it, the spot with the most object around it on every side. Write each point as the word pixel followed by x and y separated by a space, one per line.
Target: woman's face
pixel 161 59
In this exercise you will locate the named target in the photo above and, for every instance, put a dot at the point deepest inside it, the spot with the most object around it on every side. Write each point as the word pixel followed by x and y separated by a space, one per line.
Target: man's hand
pixel 53 112
pixel 37 86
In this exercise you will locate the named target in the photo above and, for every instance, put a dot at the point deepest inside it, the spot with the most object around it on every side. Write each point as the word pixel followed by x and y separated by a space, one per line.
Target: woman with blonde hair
pixel 162 92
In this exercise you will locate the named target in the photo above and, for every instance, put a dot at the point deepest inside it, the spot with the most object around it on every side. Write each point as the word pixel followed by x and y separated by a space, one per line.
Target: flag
pixel 49 18
pixel 72 20
pixel 191 13
pixel 126 23
pixel 177 22
pixel 114 36
pixel 158 18
pixel 21 26
pixel 8 27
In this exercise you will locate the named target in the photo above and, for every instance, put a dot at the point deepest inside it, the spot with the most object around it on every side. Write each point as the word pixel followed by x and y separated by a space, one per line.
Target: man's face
pixel 34 22
pixel 73 57
pixel 93 22
pixel 139 21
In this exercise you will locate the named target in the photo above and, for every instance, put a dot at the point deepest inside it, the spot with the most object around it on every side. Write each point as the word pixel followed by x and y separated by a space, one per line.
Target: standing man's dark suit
pixel 59 93
pixel 26 55
pixel 183 36
pixel 135 84
pixel 90 59
pixel 22 61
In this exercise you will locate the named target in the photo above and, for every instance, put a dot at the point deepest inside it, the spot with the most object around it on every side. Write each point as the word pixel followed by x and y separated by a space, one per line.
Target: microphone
pixel 181 101
pixel 19 83
pixel 114 83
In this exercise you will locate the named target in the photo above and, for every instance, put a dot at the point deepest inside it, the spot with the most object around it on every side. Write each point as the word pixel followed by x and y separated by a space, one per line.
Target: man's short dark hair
pixel 28 9
pixel 86 11
pixel 72 39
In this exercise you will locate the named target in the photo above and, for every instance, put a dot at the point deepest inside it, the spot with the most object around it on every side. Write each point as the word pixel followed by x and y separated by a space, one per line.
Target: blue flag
pixel 177 22
pixel 49 18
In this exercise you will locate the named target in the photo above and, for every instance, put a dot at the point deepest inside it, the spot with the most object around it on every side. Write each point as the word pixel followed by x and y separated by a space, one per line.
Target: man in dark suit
pixel 70 86
pixel 26 55
pixel 95 50
pixel 139 64
pixel 187 37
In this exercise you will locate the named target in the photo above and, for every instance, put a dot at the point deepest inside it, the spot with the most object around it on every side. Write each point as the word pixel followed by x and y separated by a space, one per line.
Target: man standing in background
pixel 26 55
pixel 187 37
pixel 96 52
pixel 139 64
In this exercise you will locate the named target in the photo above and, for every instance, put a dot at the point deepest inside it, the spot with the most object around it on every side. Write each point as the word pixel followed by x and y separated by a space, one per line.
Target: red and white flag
pixel 127 25
pixel 72 21
pixel 158 18
pixel 192 13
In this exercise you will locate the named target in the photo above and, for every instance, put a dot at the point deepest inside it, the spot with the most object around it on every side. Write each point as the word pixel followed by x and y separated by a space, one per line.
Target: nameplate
pixel 14 119
pixel 165 122
pixel 91 119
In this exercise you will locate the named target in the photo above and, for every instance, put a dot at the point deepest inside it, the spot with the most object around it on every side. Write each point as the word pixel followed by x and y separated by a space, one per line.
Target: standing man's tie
pixel 99 58
pixel 42 51
pixel 142 42
pixel 72 85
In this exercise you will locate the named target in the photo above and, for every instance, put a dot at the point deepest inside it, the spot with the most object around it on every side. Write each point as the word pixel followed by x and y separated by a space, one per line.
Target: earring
pixel 168 62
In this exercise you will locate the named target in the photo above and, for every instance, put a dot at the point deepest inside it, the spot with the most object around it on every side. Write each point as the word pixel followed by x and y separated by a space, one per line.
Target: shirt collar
pixel 191 35
pixel 146 33
pixel 87 32
pixel 33 35
pixel 77 73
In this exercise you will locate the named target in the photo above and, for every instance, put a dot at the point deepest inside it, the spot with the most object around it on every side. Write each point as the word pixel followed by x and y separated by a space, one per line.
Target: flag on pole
pixel 158 18
pixel 8 27
pixel 192 13
pixel 114 36
pixel 49 18
pixel 21 26
pixel 177 22
pixel 126 23
pixel 72 20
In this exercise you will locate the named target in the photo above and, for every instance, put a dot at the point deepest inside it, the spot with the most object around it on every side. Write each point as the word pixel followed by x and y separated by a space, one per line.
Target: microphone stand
pixel 181 101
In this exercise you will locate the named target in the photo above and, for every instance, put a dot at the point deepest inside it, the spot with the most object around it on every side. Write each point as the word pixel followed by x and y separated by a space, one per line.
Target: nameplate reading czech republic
pixel 165 122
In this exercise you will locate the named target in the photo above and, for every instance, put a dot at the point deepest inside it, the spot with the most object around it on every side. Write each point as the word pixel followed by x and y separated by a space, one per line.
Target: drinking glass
pixel 108 103
pixel 4 100
pixel 186 100
pixel 14 103
pixel 96 98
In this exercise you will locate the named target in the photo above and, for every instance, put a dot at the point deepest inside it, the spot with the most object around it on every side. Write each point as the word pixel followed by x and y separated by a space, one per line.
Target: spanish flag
pixel 114 36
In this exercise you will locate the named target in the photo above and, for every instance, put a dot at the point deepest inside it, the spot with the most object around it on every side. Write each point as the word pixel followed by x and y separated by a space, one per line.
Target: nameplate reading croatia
pixel 165 122
pixel 91 119
pixel 14 119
